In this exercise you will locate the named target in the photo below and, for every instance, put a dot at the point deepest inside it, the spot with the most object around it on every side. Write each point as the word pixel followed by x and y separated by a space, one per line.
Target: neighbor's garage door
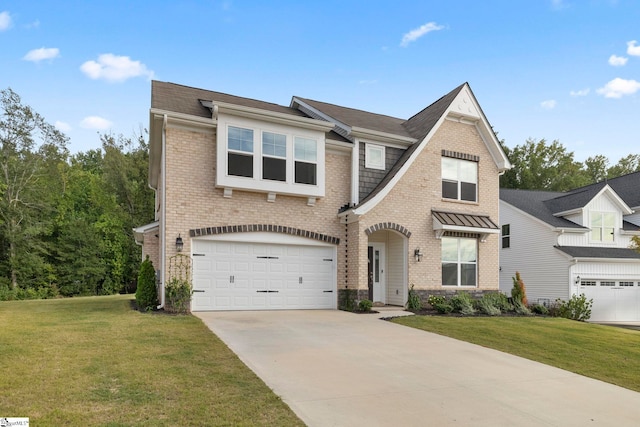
pixel 260 276
pixel 613 300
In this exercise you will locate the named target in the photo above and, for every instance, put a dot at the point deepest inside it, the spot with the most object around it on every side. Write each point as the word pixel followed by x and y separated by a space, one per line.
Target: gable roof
pixel 536 204
pixel 545 205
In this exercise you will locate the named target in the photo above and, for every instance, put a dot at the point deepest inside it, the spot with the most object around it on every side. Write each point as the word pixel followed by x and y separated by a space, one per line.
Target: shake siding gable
pixel 543 269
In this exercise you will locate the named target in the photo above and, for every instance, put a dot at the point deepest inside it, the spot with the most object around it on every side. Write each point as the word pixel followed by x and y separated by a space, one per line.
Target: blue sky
pixel 554 69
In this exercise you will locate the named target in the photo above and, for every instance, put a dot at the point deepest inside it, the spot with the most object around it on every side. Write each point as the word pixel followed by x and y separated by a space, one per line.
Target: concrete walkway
pixel 341 369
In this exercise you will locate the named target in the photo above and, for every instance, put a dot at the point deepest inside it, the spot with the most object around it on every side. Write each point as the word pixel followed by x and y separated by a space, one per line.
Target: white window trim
pixel 367 157
pixel 458 263
pixel 602 228
pixel 257 183
pixel 459 182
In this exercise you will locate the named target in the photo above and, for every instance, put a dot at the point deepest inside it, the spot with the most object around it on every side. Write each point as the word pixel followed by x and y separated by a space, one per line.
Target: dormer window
pixel 603 225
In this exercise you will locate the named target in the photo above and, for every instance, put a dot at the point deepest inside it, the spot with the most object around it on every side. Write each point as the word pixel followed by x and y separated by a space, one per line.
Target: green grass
pixel 602 352
pixel 94 361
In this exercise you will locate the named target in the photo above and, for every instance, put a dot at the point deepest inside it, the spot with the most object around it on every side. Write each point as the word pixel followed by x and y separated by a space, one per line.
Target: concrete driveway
pixel 341 369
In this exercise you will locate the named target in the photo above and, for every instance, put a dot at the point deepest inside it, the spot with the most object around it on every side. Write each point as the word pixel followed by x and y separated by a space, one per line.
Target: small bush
pixel 365 305
pixel 499 300
pixel 436 299
pixel 146 295
pixel 486 306
pixel 178 296
pixel 540 309
pixel 520 308
pixel 413 301
pixel 577 308
pixel 443 308
pixel 462 303
pixel 518 292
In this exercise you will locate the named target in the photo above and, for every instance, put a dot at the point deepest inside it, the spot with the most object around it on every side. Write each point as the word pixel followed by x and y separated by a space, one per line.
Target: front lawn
pixel 602 352
pixel 94 361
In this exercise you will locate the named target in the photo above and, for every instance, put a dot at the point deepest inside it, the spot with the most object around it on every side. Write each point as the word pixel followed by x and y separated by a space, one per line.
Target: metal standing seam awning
pixel 463 223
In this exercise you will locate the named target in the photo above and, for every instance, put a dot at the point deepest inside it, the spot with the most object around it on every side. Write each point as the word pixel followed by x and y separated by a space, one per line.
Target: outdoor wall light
pixel 578 280
pixel 417 254
pixel 179 243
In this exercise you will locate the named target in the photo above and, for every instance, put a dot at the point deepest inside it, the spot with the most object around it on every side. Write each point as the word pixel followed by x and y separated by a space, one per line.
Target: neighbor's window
pixel 603 225
pixel 240 151
pixel 459 261
pixel 274 156
pixel 306 158
pixel 374 156
pixel 506 236
pixel 459 179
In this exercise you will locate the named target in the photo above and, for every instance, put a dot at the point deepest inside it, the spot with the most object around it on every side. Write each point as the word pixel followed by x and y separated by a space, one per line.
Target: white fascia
pixel 383 137
pixel 322 115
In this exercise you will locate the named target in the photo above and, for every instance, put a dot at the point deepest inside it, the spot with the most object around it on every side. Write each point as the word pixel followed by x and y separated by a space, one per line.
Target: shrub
pixel 365 305
pixel 178 296
pixel 540 309
pixel 462 303
pixel 486 305
pixel 518 292
pixel 443 308
pixel 577 308
pixel 436 299
pixel 520 308
pixel 499 301
pixel 146 295
pixel 413 301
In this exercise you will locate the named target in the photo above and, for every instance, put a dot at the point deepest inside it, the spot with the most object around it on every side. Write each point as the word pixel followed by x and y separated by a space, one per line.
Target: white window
pixel 374 156
pixel 240 152
pixel 274 156
pixel 255 155
pixel 626 283
pixel 306 158
pixel 506 236
pixel 459 261
pixel 459 179
pixel 607 283
pixel 603 226
pixel 587 283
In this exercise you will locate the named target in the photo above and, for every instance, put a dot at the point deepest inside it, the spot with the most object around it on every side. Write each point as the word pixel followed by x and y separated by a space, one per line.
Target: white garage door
pixel 260 276
pixel 613 300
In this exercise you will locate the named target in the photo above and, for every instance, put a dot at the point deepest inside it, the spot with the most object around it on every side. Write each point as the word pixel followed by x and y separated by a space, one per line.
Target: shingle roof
pixel 360 118
pixel 544 204
pixel 598 252
pixel 185 99
pixel 535 203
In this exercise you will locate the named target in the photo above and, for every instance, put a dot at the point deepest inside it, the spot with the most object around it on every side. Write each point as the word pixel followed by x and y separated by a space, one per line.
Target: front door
pixel 377 288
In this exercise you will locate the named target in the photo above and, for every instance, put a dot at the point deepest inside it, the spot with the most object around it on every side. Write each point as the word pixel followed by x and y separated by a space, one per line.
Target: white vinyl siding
pixel 544 269
pixel 396 260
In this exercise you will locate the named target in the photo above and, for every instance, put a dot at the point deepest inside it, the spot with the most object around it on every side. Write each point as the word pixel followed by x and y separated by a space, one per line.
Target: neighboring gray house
pixel 576 242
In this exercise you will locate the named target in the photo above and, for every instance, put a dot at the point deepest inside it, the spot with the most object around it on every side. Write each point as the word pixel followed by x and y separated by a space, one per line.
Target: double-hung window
pixel 459 261
pixel 603 226
pixel 506 236
pixel 306 160
pixel 274 156
pixel 240 152
pixel 459 179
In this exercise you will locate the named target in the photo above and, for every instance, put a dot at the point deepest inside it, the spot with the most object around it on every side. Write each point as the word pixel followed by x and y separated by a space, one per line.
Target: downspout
pixel 163 211
pixel 355 172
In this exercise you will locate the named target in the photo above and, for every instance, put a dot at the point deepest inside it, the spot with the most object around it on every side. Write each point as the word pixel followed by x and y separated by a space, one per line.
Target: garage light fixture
pixel 418 254
pixel 578 280
pixel 179 243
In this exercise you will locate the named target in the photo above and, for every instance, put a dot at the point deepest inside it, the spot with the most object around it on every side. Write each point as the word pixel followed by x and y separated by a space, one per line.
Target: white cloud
pixel 37 55
pixel 617 61
pixel 632 49
pixel 62 126
pixel 549 104
pixel 581 92
pixel 95 122
pixel 115 68
pixel 34 24
pixel 5 21
pixel 617 88
pixel 414 35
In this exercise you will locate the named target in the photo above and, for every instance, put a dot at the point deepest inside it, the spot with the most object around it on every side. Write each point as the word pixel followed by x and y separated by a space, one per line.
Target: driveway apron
pixel 335 368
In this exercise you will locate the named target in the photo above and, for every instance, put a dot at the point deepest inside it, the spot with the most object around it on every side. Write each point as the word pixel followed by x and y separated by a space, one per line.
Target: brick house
pixel 302 206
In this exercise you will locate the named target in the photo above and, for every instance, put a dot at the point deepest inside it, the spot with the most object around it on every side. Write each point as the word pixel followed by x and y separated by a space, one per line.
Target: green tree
pixel 538 165
pixel 146 295
pixel 625 165
pixel 596 168
pixel 29 149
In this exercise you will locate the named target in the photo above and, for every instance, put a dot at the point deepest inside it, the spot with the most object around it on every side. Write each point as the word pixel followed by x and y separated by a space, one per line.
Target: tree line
pixel 66 219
